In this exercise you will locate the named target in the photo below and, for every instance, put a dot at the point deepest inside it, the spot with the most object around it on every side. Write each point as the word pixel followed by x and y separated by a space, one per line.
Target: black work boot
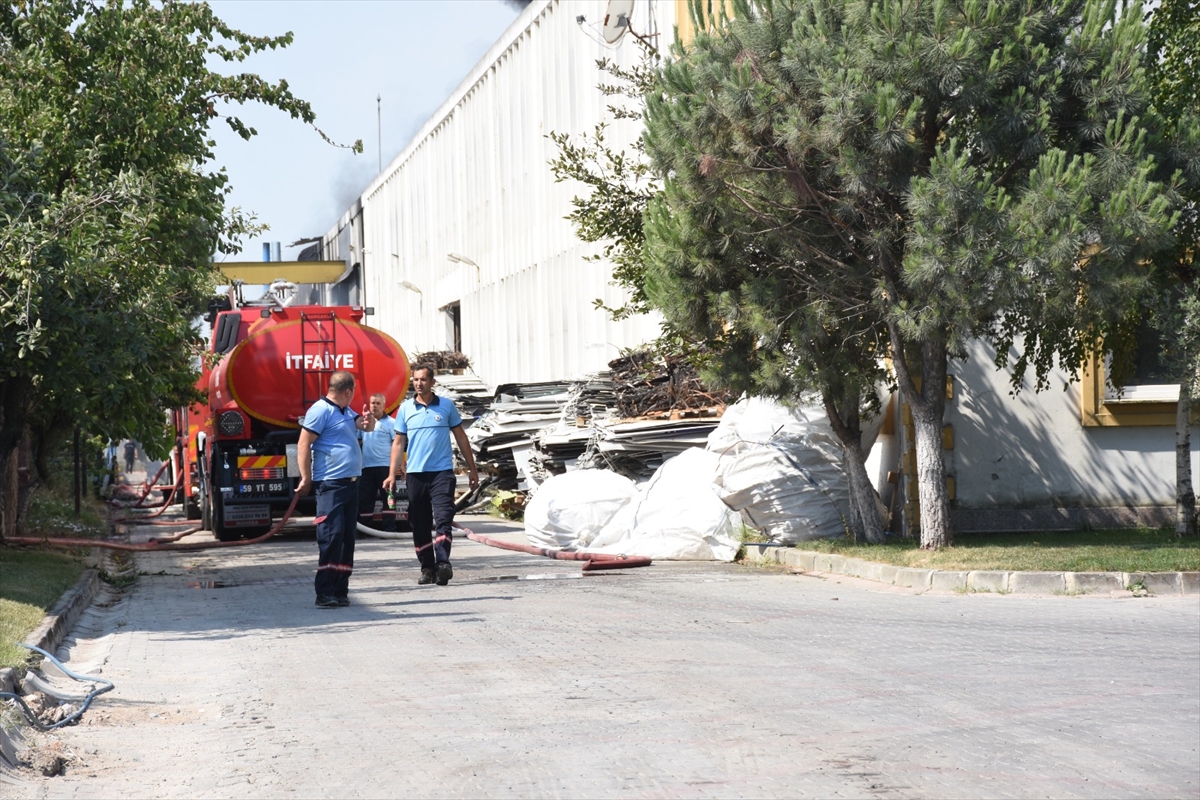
pixel 444 573
pixel 427 576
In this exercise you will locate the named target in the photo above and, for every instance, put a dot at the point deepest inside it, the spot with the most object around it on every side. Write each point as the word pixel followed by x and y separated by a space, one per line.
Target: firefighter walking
pixel 424 424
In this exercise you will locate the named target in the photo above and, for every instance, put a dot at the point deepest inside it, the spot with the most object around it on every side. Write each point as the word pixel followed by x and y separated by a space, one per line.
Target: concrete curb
pixel 999 582
pixel 57 622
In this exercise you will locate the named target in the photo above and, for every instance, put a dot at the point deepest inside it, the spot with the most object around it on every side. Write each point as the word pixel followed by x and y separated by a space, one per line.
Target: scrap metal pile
pixel 517 411
pixel 629 419
pixel 471 395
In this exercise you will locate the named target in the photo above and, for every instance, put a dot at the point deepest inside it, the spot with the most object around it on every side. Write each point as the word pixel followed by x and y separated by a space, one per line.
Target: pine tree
pixel 621 185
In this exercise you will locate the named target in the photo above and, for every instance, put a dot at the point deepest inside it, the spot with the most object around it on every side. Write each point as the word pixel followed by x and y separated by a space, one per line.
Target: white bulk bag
pixel 782 469
pixel 680 517
pixel 569 510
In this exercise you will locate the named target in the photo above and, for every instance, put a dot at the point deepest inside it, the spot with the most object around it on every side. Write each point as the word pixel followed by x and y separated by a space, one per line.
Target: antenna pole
pixel 379 130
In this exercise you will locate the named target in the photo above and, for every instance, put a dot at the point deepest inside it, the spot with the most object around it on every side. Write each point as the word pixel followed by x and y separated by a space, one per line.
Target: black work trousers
pixel 370 489
pixel 337 524
pixel 430 510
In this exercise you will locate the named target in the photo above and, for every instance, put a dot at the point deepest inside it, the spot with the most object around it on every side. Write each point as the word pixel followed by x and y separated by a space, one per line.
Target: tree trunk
pixel 928 406
pixel 864 515
pixel 43 443
pixel 28 471
pixel 14 413
pixel 9 503
pixel 931 479
pixel 1185 497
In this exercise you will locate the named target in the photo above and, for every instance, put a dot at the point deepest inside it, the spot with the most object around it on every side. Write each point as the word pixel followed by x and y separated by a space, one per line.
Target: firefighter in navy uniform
pixel 330 462
pixel 424 424
pixel 377 457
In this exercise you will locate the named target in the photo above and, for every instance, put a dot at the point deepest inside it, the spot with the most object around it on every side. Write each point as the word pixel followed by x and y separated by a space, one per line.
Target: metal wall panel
pixel 475 181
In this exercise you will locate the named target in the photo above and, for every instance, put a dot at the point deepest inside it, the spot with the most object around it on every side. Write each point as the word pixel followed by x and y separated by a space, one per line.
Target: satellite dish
pixel 616 20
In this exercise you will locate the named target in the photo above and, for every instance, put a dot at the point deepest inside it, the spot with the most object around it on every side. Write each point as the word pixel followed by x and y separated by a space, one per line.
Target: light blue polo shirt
pixel 335 452
pixel 428 430
pixel 377 444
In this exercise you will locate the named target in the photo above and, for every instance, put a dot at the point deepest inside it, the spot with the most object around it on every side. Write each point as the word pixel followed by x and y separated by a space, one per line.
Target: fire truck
pixel 267 362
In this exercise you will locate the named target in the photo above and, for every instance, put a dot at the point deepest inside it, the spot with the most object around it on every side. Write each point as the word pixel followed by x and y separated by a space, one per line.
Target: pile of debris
pixel 649 384
pixel 593 397
pixel 637 448
pixel 518 392
pixel 471 395
pixel 442 360
pixel 504 434
pixel 630 419
pixel 557 448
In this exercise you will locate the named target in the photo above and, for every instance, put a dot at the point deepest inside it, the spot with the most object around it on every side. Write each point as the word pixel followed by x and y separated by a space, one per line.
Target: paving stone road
pixel 680 680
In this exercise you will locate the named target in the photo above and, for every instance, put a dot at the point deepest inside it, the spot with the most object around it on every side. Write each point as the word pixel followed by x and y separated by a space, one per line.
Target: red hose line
pixel 144 492
pixel 154 547
pixel 174 537
pixel 166 504
pixel 626 562
pixel 594 561
pixel 150 484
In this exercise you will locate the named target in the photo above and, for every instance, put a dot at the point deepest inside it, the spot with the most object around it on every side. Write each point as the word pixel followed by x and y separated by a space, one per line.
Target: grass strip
pixel 1134 550
pixel 31 581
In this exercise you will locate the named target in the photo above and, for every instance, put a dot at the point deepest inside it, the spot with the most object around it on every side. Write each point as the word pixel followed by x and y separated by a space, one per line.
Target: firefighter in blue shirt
pixel 377 457
pixel 330 462
pixel 424 424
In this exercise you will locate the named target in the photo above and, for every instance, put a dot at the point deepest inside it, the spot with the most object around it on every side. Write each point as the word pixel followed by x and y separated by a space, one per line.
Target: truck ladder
pixel 318 345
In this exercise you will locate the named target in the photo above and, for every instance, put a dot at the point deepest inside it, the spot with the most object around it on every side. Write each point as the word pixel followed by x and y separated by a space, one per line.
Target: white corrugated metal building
pixel 461 241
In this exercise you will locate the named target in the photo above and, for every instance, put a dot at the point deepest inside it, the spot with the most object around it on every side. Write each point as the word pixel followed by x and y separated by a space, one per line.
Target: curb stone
pixel 1000 582
pixel 58 621
pixel 1039 583
pixel 985 580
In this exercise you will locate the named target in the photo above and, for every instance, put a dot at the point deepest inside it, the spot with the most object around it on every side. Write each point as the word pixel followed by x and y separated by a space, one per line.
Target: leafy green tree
pixel 939 171
pixel 1174 50
pixel 111 212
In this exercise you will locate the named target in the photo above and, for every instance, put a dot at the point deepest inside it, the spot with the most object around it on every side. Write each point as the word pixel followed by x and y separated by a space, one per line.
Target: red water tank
pixel 284 363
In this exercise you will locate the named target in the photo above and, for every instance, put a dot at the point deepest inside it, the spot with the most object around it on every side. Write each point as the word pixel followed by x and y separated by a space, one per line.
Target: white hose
pixel 384 534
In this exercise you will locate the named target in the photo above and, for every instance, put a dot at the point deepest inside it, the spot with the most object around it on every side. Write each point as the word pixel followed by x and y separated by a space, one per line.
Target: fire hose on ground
pixel 459 505
pixel 592 561
pixel 153 482
pixel 146 519
pixel 147 487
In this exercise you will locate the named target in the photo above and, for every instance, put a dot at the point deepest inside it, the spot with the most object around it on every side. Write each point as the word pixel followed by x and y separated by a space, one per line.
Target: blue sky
pixel 413 53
